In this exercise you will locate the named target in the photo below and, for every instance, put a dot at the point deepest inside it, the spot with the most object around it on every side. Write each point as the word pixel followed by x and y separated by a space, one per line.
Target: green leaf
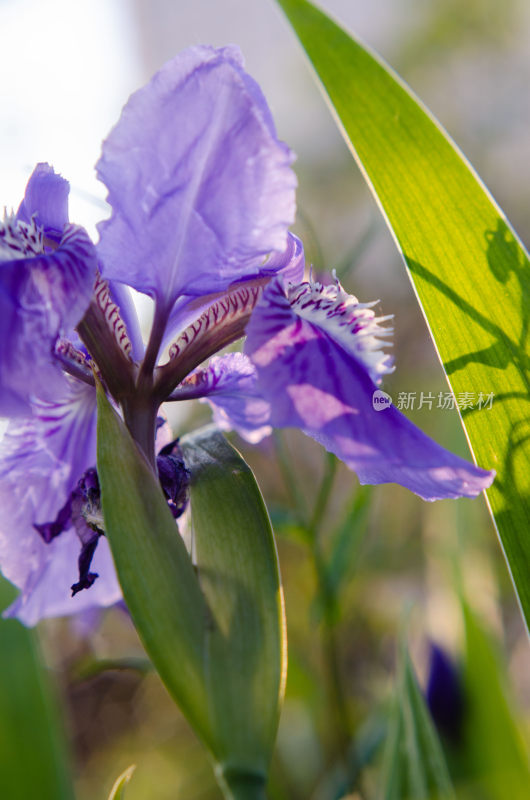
pixel 494 746
pixel 34 758
pixel 414 766
pixel 244 654
pixel 155 572
pixel 118 790
pixel 214 631
pixel 470 272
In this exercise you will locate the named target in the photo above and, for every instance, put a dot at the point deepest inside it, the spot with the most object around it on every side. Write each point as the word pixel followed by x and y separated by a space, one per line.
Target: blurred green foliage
pixel 34 758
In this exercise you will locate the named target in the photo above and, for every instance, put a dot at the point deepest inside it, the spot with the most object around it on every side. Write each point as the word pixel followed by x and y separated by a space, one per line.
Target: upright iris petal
pixel 200 187
pixel 45 200
pixel 317 357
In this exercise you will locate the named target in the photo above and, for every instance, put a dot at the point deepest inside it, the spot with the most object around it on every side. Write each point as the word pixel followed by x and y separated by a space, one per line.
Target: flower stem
pixel 140 418
pixel 145 375
pixel 289 480
pixel 328 602
pixel 323 495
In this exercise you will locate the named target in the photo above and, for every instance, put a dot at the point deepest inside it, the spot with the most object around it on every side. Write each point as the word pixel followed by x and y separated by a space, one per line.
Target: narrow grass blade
pixel 414 765
pixel 118 790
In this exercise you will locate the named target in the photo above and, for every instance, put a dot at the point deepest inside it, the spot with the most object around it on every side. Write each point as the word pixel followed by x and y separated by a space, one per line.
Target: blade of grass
pixel 118 790
pixel 414 766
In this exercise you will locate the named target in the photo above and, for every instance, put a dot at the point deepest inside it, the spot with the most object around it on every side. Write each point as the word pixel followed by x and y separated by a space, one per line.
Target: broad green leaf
pixel 238 572
pixel 34 759
pixel 414 766
pixel 154 569
pixel 471 273
pixel 214 629
pixel 494 747
pixel 118 790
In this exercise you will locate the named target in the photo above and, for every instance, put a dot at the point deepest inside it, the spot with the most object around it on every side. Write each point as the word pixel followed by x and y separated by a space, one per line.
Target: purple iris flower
pixel 202 196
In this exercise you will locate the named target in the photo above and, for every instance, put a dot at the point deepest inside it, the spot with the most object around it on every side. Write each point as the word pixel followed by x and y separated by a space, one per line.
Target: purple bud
pixel 444 694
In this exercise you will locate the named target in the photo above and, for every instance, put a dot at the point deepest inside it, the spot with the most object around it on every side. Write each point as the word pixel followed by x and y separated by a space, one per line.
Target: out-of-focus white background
pixel 68 67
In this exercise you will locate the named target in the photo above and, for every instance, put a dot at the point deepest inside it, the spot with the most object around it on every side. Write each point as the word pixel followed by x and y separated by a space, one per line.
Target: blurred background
pixel 67 68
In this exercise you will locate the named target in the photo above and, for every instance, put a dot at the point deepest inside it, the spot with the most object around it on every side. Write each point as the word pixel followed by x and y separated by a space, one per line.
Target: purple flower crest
pixel 202 195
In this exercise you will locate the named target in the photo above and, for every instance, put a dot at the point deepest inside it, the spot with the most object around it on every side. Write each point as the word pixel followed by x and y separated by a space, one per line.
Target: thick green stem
pixel 140 418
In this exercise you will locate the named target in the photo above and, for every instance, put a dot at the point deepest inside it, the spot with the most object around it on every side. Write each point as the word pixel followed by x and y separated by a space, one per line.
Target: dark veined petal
pixel 317 360
pixel 121 295
pixel 289 264
pixel 200 187
pixel 46 199
pixel 41 461
pixel 41 296
pixel 228 384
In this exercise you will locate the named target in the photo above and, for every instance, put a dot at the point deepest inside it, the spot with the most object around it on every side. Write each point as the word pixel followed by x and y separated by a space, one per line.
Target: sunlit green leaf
pixel 414 765
pixel 470 271
pixel 34 759
pixel 118 790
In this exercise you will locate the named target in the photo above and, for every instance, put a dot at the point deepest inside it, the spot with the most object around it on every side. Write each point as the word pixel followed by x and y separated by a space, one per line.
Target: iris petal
pixel 200 187
pixel 41 460
pixel 46 199
pixel 313 382
pixel 40 297
pixel 228 384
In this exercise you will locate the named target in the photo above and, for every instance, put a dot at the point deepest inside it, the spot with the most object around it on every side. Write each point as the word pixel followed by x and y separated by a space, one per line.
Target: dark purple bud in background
pixel 444 695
